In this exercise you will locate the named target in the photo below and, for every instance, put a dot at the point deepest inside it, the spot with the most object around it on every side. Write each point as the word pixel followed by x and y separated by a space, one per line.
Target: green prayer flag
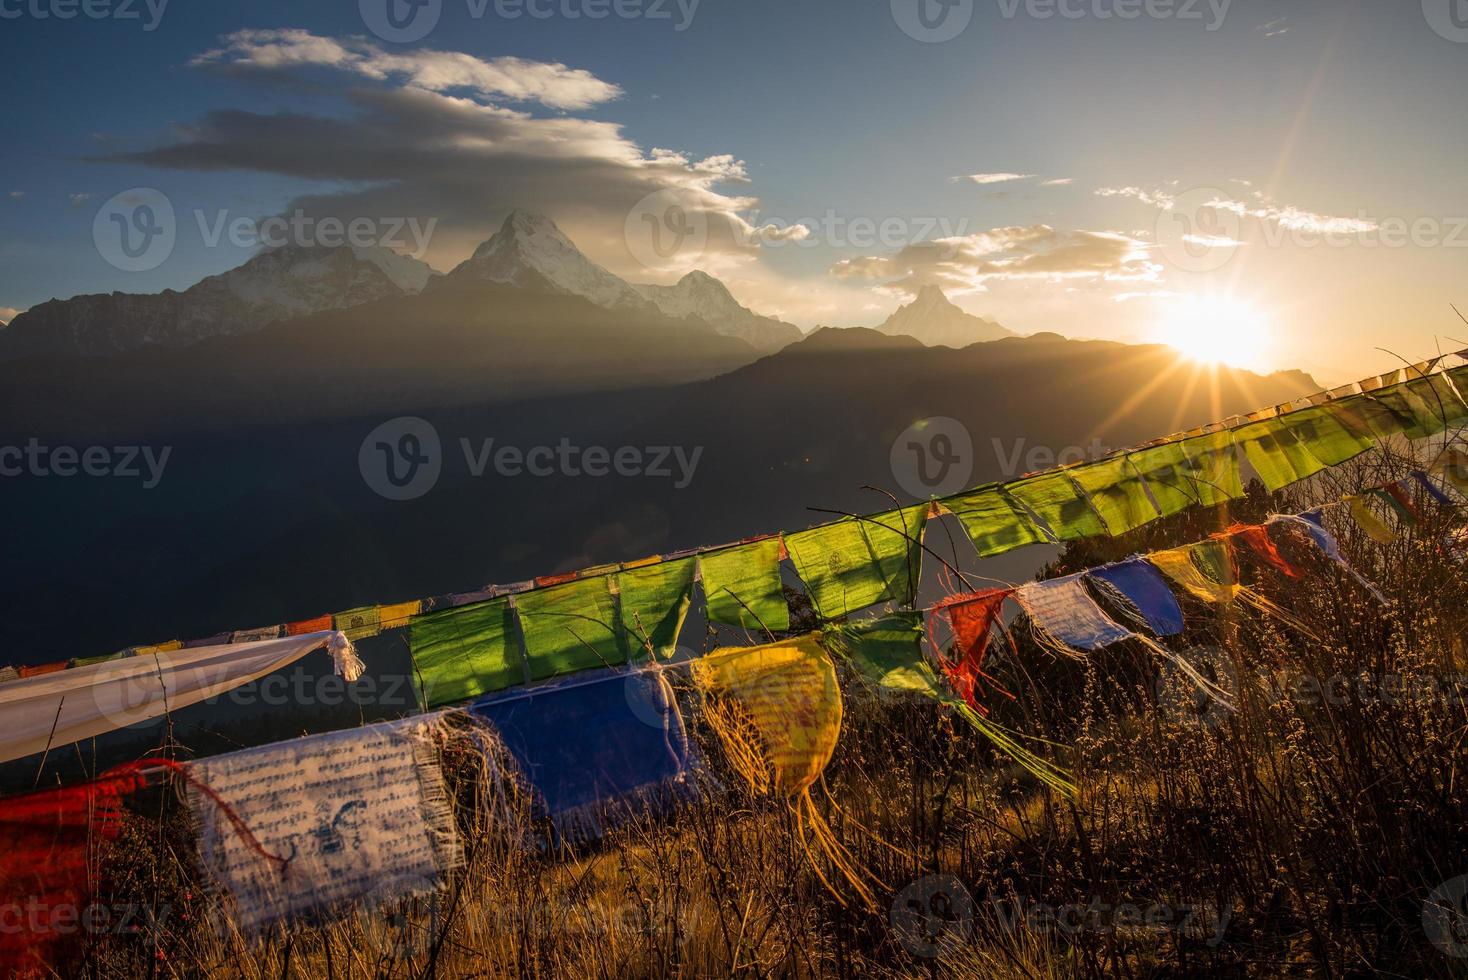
pixel 1213 468
pixel 741 586
pixel 1276 455
pixel 888 653
pixel 357 624
pixel 859 562
pixel 654 600
pixel 1360 412
pixel 1215 561
pixel 459 654
pixel 1426 405
pixel 1329 437
pixel 1118 494
pixel 1056 500
pixel 993 522
pixel 570 627
pixel 1167 471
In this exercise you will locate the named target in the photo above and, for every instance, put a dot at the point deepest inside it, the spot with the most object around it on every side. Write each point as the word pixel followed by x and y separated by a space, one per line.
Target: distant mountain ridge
pixel 938 322
pixel 272 286
pixel 700 295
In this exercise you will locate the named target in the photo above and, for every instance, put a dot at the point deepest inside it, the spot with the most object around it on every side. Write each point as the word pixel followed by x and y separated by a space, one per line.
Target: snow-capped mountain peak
pixel 531 252
pixel 700 295
pixel 938 322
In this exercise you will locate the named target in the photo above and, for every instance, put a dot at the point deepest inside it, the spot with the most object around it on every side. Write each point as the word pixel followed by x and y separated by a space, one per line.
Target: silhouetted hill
pixel 271 519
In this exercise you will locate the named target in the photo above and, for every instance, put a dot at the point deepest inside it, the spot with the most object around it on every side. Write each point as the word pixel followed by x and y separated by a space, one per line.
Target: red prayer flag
pixel 43 669
pixel 46 863
pixel 972 617
pixel 318 625
pixel 1257 538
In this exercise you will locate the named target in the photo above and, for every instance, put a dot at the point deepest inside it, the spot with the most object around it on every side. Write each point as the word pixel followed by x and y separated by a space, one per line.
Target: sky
pixel 1274 183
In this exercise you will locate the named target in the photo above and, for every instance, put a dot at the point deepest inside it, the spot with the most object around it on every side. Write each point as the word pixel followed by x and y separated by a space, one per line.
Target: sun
pixel 1221 330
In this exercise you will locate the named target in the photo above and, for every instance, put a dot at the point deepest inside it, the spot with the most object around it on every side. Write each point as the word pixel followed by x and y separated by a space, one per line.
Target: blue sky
pixel 1291 145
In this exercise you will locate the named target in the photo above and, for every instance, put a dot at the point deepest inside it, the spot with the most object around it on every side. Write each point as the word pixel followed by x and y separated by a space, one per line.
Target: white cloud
pixel 77 200
pixel 1058 182
pixel 994 178
pixel 1289 217
pixel 17 195
pixel 512 79
pixel 8 313
pixel 1036 252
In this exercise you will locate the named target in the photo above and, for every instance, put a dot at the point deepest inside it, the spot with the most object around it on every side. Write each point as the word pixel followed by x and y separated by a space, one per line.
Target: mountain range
pixel 528 252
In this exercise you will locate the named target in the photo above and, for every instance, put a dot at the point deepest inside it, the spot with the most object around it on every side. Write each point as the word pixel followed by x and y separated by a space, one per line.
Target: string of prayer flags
pixel 570 627
pixel 1398 499
pixel 52 839
pixel 654 601
pixel 56 709
pixel 461 654
pixel 859 562
pixel 1426 405
pixel 1276 455
pixel 1145 592
pixel 597 751
pixel 776 710
pixel 1057 501
pixel 1064 617
pixel 971 618
pixel 1359 412
pixel 741 586
pixel 1117 493
pixel 994 523
pixel 306 826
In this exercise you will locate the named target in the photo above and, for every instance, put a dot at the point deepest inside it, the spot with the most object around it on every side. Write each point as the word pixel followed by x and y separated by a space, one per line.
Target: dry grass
pixel 1300 835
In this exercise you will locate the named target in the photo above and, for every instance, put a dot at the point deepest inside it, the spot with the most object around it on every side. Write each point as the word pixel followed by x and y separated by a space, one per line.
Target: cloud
pixel 1275 27
pixel 17 195
pixel 1035 252
pixel 512 79
pixel 77 200
pixel 8 313
pixel 994 178
pixel 1058 182
pixel 1261 208
pixel 400 148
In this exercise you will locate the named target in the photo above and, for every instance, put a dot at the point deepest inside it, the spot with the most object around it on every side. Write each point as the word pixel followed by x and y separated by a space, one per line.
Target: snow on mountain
pixel 700 295
pixel 271 286
pixel 937 322
pixel 531 252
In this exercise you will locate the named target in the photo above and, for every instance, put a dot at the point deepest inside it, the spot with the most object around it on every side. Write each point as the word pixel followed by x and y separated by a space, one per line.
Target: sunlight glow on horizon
pixel 1217 330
